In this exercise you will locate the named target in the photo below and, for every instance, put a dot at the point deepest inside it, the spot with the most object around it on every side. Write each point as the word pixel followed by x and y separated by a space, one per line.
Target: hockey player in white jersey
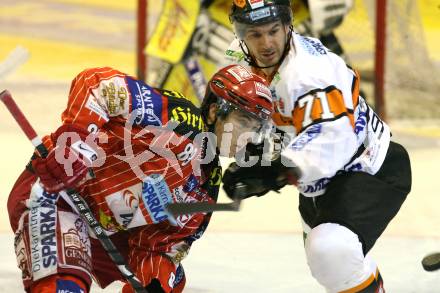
pixel 352 179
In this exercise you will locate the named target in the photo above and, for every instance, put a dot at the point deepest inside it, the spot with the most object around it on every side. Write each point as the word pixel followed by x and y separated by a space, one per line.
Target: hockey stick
pixel 431 262
pixel 17 57
pixel 177 209
pixel 78 201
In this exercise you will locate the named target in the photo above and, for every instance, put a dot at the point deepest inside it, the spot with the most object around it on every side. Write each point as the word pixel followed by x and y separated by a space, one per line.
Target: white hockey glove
pixel 326 15
pixel 211 39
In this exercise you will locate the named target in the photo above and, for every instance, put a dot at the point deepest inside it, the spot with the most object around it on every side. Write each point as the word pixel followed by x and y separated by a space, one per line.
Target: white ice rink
pixel 226 262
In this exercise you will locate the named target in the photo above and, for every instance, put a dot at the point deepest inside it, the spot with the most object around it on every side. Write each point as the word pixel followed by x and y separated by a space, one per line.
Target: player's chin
pixel 269 60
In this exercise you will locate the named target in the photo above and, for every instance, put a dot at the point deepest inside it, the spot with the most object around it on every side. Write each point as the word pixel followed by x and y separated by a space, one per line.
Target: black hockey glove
pixel 243 182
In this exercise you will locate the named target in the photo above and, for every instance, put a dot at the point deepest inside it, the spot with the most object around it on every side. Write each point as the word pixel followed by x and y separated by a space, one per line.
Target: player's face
pixel 266 42
pixel 235 131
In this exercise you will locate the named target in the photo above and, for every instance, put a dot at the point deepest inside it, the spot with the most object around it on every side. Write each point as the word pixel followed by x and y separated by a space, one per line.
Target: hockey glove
pixel 243 182
pixel 328 15
pixel 210 39
pixel 66 165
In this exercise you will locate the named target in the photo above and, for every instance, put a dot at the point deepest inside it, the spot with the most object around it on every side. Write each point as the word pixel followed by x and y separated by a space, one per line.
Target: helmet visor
pixel 246 122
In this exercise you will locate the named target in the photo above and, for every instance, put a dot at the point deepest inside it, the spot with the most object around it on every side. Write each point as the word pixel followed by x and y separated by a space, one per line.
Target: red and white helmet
pixel 238 88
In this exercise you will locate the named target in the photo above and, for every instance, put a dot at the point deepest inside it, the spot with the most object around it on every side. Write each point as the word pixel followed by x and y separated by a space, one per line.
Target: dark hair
pixel 209 99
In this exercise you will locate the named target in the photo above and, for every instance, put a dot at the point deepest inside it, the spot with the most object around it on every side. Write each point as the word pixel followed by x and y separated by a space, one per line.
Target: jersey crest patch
pixel 156 195
pixel 147 104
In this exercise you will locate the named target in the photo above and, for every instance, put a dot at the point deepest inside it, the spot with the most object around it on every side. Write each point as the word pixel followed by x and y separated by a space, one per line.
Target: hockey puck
pixel 431 262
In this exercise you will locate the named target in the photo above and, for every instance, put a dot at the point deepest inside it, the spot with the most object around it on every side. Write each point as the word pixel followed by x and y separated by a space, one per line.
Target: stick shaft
pixel 177 209
pixel 6 98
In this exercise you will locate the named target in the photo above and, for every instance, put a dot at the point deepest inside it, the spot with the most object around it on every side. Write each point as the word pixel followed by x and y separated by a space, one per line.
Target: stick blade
pixel 177 209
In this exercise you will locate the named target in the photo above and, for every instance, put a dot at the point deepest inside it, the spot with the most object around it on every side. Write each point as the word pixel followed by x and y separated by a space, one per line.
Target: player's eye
pixel 274 31
pixel 254 35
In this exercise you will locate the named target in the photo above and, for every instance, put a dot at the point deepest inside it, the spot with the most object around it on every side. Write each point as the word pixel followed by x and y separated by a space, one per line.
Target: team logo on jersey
pixel 187 117
pixel 146 104
pixel 42 225
pixel 116 96
pixel 77 245
pixel 304 138
pixel 156 196
pixel 313 47
pixel 124 204
pixel 130 199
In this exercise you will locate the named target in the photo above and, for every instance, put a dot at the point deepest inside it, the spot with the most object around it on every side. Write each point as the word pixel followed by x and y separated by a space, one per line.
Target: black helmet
pixel 256 12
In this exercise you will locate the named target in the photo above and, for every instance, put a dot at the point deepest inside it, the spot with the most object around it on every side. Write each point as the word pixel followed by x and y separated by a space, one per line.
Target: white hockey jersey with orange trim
pixel 317 103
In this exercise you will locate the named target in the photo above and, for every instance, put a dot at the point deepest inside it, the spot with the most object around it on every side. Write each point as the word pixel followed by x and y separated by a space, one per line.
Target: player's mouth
pixel 269 55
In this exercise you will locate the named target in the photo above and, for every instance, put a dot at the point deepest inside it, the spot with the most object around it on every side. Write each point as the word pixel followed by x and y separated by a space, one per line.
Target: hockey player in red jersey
pixel 352 179
pixel 146 147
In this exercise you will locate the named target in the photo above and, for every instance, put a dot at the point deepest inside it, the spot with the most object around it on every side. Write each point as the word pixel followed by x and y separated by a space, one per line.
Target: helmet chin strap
pixel 251 60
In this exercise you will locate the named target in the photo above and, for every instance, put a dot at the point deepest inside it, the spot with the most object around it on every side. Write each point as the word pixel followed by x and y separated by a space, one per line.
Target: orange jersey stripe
pixel 281 120
pixel 355 89
pixel 361 286
pixel 319 106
